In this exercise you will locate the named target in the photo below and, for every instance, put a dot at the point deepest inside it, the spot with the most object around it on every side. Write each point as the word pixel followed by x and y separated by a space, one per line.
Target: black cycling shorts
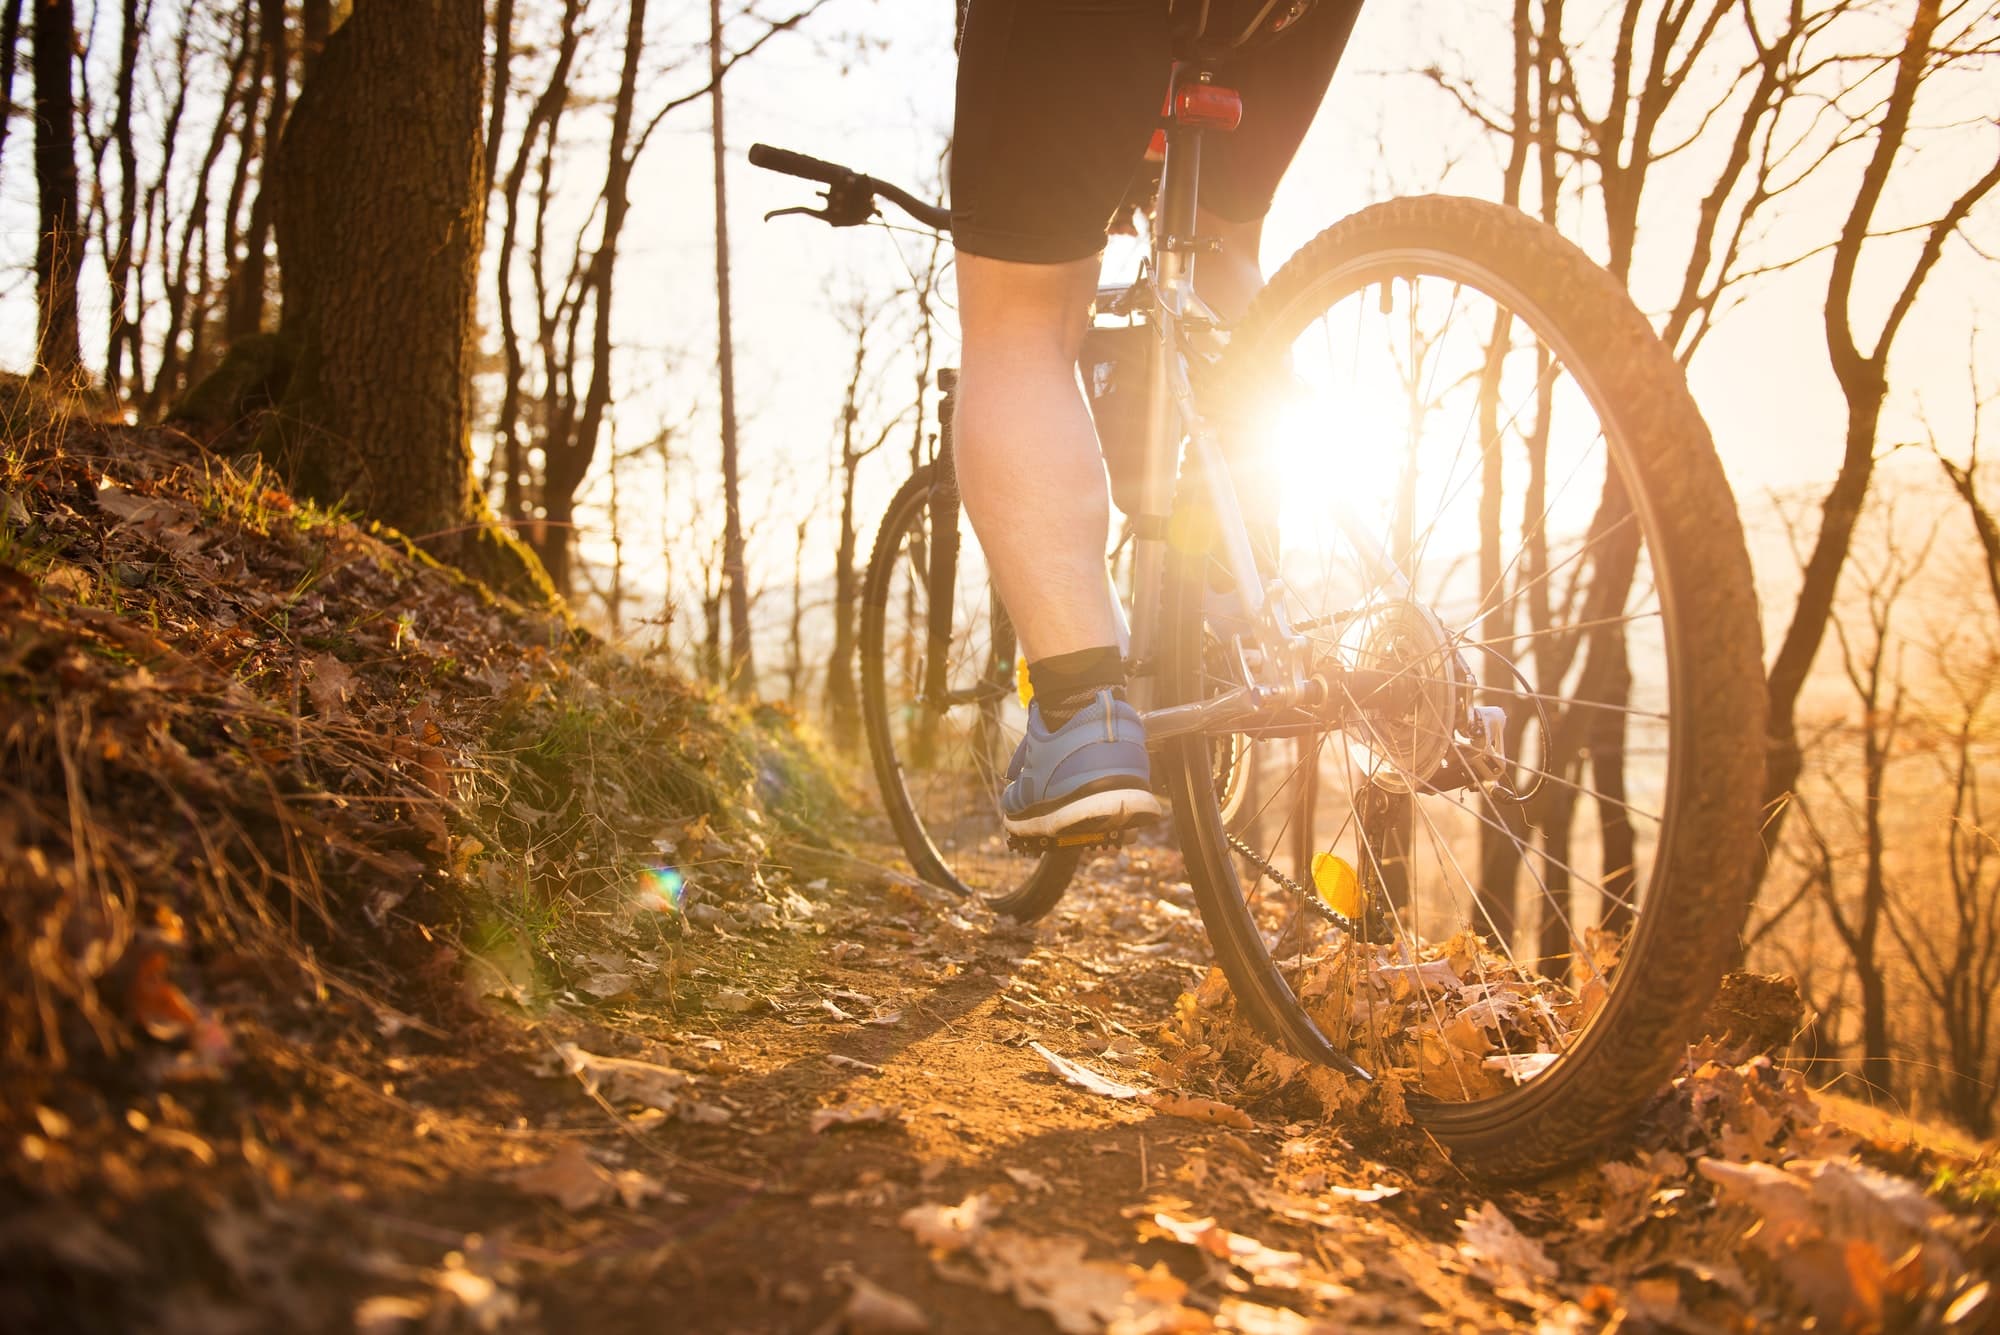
pixel 1058 98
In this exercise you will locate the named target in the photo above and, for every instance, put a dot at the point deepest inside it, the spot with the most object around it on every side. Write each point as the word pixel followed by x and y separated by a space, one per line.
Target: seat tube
pixel 1173 233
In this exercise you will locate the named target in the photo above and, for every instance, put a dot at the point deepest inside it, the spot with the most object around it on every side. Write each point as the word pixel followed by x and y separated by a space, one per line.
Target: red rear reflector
pixel 1207 105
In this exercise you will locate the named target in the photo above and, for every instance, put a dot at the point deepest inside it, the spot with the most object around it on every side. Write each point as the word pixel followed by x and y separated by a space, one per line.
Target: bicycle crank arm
pixel 1334 699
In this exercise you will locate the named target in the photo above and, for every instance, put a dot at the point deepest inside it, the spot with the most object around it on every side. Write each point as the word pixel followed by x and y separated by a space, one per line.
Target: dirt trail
pixel 852 1130
pixel 881 1071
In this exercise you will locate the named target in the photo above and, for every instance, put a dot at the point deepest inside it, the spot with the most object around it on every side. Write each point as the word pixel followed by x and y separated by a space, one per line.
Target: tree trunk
pixel 1813 610
pixel 742 662
pixel 10 37
pixel 843 700
pixel 246 289
pixel 58 238
pixel 568 452
pixel 121 335
pixel 380 209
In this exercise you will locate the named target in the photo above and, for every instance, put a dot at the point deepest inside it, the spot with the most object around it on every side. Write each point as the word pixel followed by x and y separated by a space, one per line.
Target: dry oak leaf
pixel 1490 1236
pixel 1082 1296
pixel 330 686
pixel 1265 1266
pixel 1199 1110
pixel 570 1178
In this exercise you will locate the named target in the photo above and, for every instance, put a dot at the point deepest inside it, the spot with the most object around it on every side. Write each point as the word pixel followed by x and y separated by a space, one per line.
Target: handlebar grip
pixel 797 164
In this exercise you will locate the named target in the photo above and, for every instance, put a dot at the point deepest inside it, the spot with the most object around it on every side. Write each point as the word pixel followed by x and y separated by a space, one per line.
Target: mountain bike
pixel 1435 543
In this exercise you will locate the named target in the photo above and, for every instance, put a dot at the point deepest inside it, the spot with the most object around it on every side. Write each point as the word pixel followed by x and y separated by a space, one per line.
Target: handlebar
pixel 850 196
pixel 789 163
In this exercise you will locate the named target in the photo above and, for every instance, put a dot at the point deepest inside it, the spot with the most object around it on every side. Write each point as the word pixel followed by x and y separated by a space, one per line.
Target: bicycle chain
pixel 1284 882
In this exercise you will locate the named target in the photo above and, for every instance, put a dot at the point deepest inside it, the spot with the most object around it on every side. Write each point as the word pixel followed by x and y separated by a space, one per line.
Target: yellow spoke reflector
pixel 1022 686
pixel 1337 884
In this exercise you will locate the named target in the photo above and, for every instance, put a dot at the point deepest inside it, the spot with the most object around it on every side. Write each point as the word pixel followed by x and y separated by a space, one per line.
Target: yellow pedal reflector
pixel 1022 686
pixel 1337 884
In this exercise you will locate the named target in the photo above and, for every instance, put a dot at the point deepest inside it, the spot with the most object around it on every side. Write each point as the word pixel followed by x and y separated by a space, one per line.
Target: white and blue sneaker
pixel 1088 777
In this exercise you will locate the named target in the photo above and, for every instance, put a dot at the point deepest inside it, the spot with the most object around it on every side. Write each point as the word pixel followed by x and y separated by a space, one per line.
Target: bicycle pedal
pixel 1038 845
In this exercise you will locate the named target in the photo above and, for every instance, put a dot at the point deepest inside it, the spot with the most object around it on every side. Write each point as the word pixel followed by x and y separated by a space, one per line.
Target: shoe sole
pixel 1094 813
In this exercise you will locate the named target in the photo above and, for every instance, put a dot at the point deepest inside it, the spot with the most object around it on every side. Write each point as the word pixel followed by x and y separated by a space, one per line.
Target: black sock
pixel 1066 683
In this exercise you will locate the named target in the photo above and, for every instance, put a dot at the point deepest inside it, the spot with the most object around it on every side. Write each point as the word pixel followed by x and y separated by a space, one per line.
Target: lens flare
pixel 662 888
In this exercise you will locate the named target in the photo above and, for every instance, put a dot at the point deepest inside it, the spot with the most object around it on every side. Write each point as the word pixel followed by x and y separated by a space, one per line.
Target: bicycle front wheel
pixel 940 704
pixel 1527 856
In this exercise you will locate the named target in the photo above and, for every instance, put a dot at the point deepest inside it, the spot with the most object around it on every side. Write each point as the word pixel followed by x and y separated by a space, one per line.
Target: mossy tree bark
pixel 380 210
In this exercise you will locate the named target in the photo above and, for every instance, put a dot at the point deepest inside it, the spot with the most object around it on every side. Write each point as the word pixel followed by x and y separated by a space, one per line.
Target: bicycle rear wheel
pixel 940 704
pixel 1497 491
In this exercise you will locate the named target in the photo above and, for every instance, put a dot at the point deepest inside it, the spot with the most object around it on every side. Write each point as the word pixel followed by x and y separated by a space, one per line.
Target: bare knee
pixel 1023 316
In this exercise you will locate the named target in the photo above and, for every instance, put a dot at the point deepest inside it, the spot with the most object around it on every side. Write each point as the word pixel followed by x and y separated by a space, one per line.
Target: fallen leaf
pixel 731 999
pixel 1269 1267
pixel 949 1228
pixel 873 1310
pixel 1490 1236
pixel 330 686
pixel 157 1002
pixel 622 1079
pixel 570 1178
pixel 635 1188
pixel 386 1314
pixel 1123 1050
pixel 1199 1110
pixel 1083 1077
pixel 1247 1318
pixel 852 1114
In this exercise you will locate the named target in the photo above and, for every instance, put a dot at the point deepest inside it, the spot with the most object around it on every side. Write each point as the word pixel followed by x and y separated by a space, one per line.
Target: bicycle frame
pixel 1168 300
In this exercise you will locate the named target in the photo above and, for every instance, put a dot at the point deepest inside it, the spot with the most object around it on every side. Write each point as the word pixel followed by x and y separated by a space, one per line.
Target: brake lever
pixel 848 204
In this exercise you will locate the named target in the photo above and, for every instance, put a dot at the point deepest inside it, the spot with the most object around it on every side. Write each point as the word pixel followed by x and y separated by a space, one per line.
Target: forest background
pixel 1803 196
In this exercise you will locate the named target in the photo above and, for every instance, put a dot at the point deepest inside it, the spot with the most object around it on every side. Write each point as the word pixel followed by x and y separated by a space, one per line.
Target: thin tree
pixel 183 260
pixel 248 283
pixel 742 659
pixel 58 235
pixel 571 431
pixel 843 699
pixel 122 336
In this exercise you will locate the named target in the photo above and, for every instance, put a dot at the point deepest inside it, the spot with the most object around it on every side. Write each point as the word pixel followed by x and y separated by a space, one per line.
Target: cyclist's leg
pixel 1028 463
pixel 1056 99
